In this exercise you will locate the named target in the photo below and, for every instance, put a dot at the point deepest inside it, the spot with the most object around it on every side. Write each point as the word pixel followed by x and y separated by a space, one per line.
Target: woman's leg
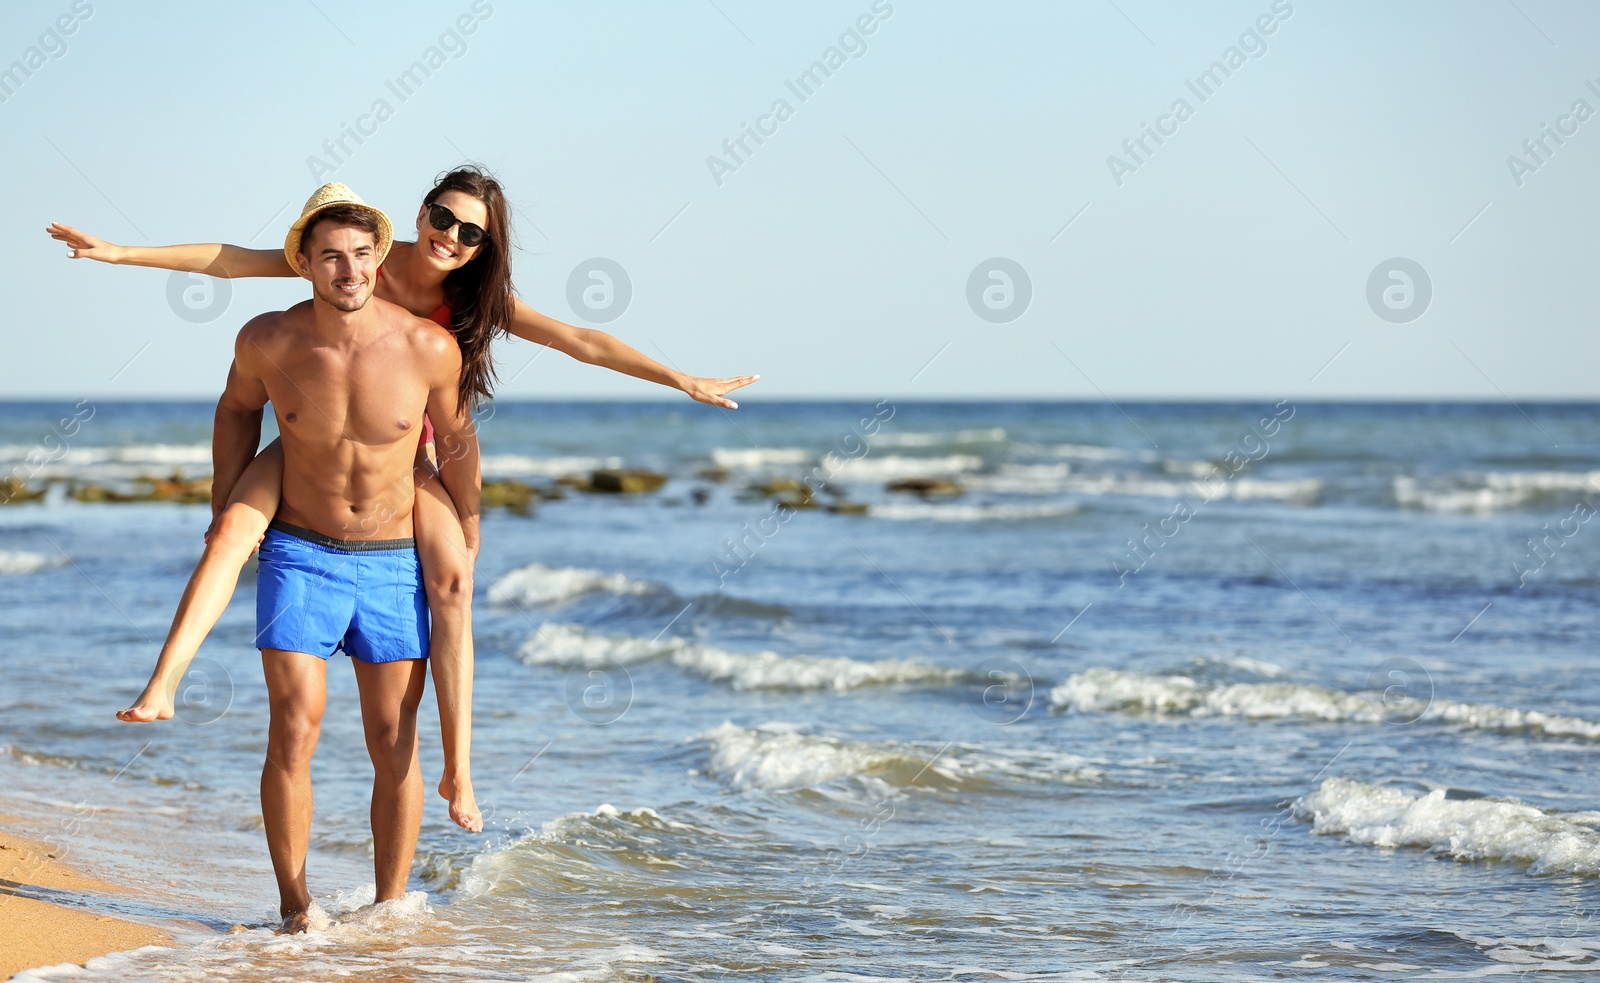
pixel 447 574
pixel 233 536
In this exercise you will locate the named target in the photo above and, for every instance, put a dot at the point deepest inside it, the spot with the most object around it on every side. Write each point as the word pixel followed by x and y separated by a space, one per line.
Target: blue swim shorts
pixel 320 595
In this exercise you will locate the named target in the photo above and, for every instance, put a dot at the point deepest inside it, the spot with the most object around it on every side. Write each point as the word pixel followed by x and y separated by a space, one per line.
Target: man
pixel 349 377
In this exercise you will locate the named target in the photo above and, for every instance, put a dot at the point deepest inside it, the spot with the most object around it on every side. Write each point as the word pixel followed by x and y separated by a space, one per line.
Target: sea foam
pixel 608 845
pixel 17 562
pixel 571 645
pixel 1491 491
pixel 1550 843
pixel 889 467
pixel 996 512
pixel 779 756
pixel 977 435
pixel 130 454
pixel 754 458
pixel 1101 690
pixel 1088 452
pixel 516 465
pixel 1242 489
pixel 537 585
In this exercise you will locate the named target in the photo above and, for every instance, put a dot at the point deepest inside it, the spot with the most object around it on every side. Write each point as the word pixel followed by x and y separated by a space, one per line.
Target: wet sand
pixel 36 932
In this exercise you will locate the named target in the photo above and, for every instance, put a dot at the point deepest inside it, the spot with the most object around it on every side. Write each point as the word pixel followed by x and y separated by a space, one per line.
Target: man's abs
pixel 345 493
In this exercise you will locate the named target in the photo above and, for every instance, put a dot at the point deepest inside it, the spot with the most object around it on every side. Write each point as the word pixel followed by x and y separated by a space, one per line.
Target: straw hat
pixel 334 193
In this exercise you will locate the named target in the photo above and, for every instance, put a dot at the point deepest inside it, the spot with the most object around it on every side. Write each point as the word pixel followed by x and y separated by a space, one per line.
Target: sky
pixel 1059 200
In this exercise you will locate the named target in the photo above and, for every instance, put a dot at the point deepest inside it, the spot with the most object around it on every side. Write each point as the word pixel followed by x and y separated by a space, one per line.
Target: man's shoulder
pixel 272 327
pixel 273 323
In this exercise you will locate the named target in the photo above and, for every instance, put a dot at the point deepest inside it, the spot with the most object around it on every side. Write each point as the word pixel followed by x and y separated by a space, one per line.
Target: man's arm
pixel 599 348
pixel 456 440
pixel 236 429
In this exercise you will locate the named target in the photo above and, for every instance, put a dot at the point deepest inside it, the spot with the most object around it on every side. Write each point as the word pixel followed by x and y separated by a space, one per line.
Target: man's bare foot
pixel 463 804
pixel 153 704
pixel 295 923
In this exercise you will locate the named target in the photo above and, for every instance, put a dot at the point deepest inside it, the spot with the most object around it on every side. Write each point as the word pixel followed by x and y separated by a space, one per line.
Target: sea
pixel 1118 691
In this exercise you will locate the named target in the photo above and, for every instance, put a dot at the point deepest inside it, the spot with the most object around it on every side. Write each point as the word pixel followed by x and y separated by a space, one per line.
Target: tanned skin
pixel 349 378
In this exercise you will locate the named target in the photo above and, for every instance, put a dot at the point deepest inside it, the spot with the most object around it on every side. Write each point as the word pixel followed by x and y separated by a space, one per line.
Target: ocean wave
pixel 1022 479
pixel 1287 489
pixel 1053 479
pixel 354 918
pixel 1549 843
pixel 1088 452
pixel 515 465
pixel 755 458
pixel 537 585
pixel 19 562
pixel 1195 469
pixel 643 817
pixel 926 511
pixel 1101 690
pixel 777 757
pixel 124 463
pixel 1491 491
pixel 888 467
pixel 1482 716
pixel 571 645
pixel 608 844
pixel 983 435
pixel 156 454
pixel 1258 667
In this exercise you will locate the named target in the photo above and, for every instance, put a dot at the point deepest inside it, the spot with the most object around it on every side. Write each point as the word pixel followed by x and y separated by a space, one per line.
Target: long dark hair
pixel 479 293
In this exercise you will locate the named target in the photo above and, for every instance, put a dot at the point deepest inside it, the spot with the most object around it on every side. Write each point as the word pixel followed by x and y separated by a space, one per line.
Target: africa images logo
pixel 1252 44
pixel 50 46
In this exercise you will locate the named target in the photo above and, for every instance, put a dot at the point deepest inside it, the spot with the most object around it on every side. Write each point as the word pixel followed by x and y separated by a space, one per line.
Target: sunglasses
pixel 442 218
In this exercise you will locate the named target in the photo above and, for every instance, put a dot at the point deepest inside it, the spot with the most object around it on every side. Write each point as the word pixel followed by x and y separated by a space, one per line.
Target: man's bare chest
pixel 325 397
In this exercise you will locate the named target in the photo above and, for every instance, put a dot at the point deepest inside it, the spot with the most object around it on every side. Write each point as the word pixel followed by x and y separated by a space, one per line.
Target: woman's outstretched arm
pixel 211 258
pixel 599 348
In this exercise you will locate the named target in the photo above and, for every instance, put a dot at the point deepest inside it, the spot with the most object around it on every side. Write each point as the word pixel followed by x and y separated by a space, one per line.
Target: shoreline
pixel 39 932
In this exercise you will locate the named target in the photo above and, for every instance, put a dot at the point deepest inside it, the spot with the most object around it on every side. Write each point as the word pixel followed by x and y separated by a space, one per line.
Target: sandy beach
pixel 43 933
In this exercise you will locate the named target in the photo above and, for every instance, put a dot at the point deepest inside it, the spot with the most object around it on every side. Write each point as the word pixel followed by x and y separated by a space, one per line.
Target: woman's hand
pixel 711 391
pixel 84 245
pixel 595 347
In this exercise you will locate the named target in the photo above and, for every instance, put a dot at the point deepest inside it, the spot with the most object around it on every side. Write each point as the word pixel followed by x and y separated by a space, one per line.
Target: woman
pixel 457 273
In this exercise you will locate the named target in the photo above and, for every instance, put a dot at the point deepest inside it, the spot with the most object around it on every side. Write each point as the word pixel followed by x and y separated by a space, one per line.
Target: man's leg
pixel 390 695
pixel 297 690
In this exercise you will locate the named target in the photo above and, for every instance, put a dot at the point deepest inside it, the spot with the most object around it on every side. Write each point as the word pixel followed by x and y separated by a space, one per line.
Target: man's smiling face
pixel 342 263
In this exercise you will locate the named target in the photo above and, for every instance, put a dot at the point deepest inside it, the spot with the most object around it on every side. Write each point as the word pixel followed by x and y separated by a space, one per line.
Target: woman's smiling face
pixel 444 249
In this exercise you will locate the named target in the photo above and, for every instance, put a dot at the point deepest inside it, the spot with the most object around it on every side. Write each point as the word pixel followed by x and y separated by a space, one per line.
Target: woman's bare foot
pixel 155 703
pixel 295 923
pixel 463 804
